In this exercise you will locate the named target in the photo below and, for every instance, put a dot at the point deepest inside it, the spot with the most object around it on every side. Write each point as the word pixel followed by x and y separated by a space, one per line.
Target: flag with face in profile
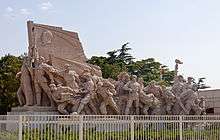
pixel 58 47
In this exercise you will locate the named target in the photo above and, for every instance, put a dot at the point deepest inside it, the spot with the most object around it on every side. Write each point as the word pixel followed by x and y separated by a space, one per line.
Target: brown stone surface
pixel 50 40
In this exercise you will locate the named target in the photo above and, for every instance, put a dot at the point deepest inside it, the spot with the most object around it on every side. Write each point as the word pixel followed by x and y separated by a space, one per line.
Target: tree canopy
pixel 9 66
pixel 121 60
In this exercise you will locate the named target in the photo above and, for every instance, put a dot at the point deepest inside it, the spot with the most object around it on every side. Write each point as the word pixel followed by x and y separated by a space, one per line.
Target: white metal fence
pixel 119 127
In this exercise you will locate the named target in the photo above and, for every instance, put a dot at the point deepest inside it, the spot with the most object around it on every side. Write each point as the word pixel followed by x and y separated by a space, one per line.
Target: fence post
pixel 81 127
pixel 132 127
pixel 181 126
pixel 20 127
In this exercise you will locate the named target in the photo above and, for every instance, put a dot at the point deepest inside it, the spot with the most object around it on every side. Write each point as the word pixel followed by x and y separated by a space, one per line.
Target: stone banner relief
pixel 55 77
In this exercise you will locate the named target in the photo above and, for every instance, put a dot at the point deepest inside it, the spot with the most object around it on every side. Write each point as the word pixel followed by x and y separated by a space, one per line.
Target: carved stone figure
pixel 202 105
pixel 46 38
pixel 20 93
pixel 188 99
pixel 71 78
pixel 41 83
pixel 25 92
pixel 62 96
pixel 134 89
pixel 178 86
pixel 169 101
pixel 149 101
pixel 123 78
pixel 155 90
pixel 87 90
pixel 178 62
pixel 106 90
pixel 189 84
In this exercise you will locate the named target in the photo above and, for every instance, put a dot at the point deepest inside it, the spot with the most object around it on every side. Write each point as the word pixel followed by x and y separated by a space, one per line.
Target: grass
pixel 91 134
pixel 7 135
pixel 64 133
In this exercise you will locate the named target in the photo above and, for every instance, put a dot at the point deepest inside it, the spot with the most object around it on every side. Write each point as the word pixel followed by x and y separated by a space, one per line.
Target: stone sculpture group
pixel 86 92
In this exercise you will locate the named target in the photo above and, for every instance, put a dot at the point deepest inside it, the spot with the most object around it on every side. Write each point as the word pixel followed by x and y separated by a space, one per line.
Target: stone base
pixel 33 110
pixel 27 110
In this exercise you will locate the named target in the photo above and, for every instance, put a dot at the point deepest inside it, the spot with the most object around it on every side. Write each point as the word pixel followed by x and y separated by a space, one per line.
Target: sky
pixel 163 29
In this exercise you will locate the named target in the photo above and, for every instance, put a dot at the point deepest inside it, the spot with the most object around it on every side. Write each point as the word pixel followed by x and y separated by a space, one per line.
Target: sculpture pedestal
pixel 27 110
pixel 33 110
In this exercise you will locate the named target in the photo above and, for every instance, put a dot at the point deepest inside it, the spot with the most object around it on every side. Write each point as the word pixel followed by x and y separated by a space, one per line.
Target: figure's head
pixel 195 87
pixel 197 100
pixel 190 79
pixel 112 81
pixel 67 67
pixel 152 83
pixel 53 87
pixel 140 80
pixel 126 77
pixel 121 75
pixel 41 59
pixel 87 76
pixel 86 71
pixel 181 78
pixel 105 81
pixel 46 37
pixel 202 98
pixel 133 78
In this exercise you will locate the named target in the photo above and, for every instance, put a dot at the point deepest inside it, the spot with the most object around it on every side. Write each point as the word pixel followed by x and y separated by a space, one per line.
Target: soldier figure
pixel 71 78
pixel 202 105
pixel 41 83
pixel 188 99
pixel 179 81
pixel 123 78
pixel 134 88
pixel 178 86
pixel 62 96
pixel 155 89
pixel 189 84
pixel 88 90
pixel 25 91
pixel 178 62
pixel 106 90
pixel 169 101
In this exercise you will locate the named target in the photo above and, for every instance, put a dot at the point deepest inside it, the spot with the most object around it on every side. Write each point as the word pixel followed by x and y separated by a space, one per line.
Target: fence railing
pixel 77 127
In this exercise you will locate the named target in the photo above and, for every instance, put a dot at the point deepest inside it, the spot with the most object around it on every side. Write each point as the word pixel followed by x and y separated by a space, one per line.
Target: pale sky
pixel 162 29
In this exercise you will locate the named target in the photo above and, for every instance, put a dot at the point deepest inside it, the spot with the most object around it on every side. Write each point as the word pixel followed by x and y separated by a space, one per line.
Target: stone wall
pixel 212 99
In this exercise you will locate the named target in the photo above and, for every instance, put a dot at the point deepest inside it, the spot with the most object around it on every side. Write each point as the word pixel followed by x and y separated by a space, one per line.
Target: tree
pixel 109 70
pixel 124 56
pixel 150 70
pixel 112 57
pixel 9 66
pixel 120 60
pixel 201 83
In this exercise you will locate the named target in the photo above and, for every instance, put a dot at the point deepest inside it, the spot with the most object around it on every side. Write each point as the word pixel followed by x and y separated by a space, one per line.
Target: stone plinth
pixel 33 110
pixel 27 110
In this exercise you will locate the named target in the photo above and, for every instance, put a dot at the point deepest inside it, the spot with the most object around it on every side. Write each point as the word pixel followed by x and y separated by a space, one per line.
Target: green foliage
pixel 9 66
pixel 121 60
pixel 109 69
pixel 123 55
